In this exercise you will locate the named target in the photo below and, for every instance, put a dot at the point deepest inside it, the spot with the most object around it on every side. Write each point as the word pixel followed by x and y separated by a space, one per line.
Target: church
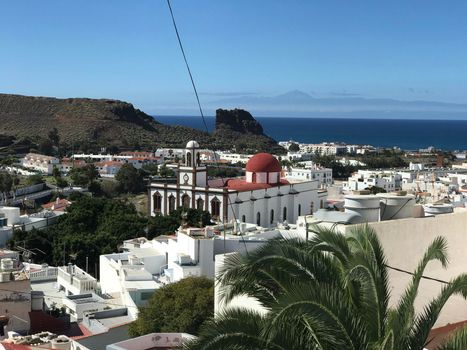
pixel 263 196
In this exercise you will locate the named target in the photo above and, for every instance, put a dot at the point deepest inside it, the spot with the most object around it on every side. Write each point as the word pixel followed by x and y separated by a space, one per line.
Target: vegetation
pixel 376 189
pixel 331 292
pixel 167 224
pixel 84 176
pixel 35 179
pixel 130 179
pixel 92 226
pixel 224 171
pixel 294 147
pixel 178 307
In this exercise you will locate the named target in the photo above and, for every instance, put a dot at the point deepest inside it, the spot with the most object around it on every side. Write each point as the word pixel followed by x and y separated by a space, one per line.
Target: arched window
pixel 272 216
pixel 157 202
pixel 284 214
pixel 299 209
pixel 186 201
pixel 258 219
pixel 171 203
pixel 188 159
pixel 253 178
pixel 215 208
pixel 243 218
pixel 200 204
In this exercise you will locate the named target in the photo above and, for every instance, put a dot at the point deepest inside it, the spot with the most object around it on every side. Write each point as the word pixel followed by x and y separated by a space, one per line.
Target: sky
pixel 122 49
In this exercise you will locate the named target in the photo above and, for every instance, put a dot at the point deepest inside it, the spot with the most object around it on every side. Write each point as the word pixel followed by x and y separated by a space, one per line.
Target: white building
pixel 73 280
pixel 262 197
pixel 363 179
pixel 39 162
pixel 314 172
pixel 15 297
pixel 146 265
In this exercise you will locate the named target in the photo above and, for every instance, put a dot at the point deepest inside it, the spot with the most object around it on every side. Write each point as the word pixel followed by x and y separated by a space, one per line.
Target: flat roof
pixel 145 252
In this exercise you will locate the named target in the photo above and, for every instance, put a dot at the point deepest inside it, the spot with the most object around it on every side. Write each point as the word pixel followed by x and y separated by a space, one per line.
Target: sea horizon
pixel 407 134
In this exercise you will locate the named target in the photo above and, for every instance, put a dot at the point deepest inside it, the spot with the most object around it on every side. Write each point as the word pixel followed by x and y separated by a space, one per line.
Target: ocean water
pixel 408 134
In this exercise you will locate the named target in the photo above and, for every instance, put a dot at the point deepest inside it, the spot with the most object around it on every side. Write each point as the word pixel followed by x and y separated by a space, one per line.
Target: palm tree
pixel 331 292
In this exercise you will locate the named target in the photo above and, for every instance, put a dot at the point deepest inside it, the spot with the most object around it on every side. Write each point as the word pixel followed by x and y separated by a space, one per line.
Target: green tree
pixel 35 179
pixel 46 146
pixel 168 224
pixel 294 147
pixel 151 169
pixel 178 307
pixel 130 179
pixel 54 137
pixel 84 176
pixel 376 189
pixel 166 172
pixel 330 292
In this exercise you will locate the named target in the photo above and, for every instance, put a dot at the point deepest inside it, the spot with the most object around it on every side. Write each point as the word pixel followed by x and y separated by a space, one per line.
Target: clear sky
pixel 127 49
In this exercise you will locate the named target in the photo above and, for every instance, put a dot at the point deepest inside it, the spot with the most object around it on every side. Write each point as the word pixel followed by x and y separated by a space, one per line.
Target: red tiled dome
pixel 263 163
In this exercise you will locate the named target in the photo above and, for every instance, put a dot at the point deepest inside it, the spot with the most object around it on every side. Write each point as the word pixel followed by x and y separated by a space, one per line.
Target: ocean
pixel 408 134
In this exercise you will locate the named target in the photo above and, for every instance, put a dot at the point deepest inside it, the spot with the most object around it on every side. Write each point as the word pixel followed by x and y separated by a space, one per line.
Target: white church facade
pixel 263 197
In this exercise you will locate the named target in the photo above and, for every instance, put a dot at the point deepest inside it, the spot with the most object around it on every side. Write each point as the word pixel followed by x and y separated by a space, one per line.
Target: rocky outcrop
pixel 238 120
pixel 238 128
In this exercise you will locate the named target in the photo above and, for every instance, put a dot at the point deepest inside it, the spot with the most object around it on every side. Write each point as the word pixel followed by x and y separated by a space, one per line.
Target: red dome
pixel 263 163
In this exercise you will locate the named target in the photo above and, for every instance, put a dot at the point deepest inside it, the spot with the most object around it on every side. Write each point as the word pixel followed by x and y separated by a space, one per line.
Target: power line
pixel 413 274
pixel 202 116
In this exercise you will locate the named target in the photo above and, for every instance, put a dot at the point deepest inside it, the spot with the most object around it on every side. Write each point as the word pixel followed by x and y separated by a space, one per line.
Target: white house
pixel 40 162
pixel 314 172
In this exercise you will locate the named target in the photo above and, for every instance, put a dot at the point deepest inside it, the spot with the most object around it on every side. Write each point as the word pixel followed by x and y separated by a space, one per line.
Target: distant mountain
pixel 94 123
pixel 302 104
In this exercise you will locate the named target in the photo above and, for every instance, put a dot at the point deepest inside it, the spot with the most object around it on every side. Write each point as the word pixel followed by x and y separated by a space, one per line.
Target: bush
pixel 178 307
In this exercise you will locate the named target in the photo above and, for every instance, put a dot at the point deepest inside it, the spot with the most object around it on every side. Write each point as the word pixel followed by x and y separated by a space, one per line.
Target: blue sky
pixel 408 50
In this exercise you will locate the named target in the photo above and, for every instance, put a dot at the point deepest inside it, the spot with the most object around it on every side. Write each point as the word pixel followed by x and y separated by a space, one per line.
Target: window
pixel 157 202
pixel 188 159
pixel 186 201
pixel 258 219
pixel 272 216
pixel 146 295
pixel 215 207
pixel 284 214
pixel 199 204
pixel 299 209
pixel 171 203
pixel 243 218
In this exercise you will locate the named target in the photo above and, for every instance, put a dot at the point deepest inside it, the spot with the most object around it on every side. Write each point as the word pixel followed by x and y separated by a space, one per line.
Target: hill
pixel 89 124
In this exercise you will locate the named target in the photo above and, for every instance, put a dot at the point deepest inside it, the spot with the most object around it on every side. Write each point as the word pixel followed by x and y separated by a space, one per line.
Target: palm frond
pixel 457 341
pixel 404 317
pixel 426 320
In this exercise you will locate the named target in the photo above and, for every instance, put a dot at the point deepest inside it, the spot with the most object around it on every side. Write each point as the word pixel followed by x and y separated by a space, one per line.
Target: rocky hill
pixel 105 123
pixel 245 131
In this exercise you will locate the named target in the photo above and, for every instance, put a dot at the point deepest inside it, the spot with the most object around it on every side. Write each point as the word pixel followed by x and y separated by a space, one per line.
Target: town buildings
pixel 263 197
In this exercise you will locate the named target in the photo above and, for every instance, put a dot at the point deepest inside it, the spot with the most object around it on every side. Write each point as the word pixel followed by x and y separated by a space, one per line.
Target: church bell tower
pixel 192 173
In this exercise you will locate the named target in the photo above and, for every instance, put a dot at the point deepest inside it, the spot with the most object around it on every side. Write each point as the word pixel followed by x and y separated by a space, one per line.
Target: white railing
pixel 48 273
